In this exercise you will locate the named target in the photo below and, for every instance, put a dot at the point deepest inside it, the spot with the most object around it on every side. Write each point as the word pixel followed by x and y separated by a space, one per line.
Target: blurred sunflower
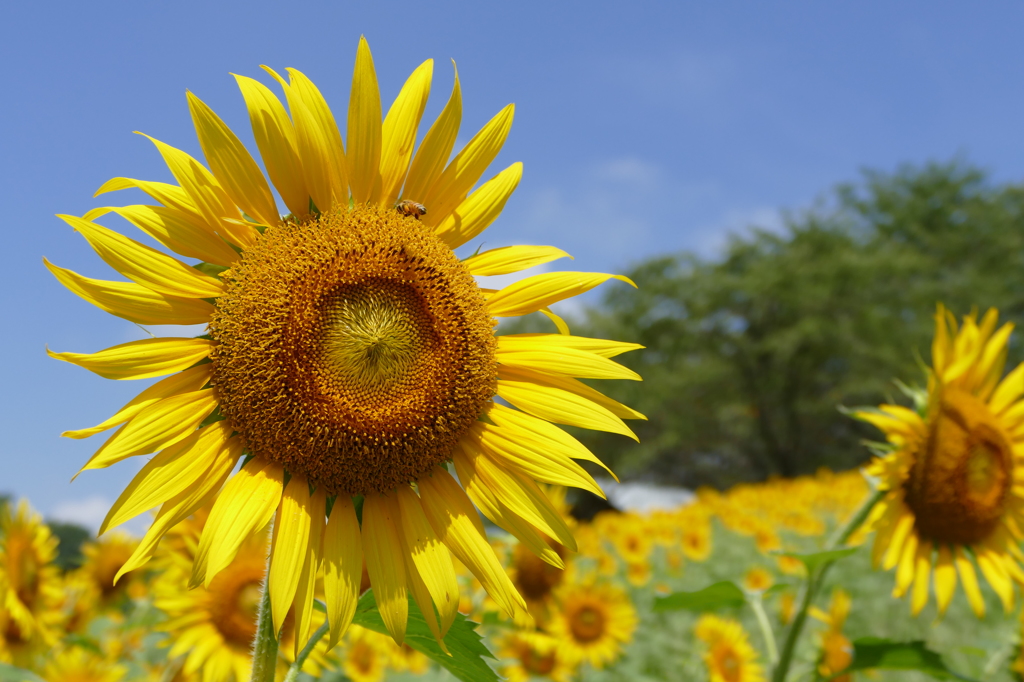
pixel 350 352
pixel 836 648
pixel 528 655
pixel 31 598
pixel 594 622
pixel 75 664
pixel 102 561
pixel 950 475
pixel 730 657
pixel 365 657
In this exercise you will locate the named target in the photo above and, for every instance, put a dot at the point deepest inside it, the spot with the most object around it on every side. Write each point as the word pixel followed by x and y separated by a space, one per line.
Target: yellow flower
pixel 730 657
pixel 696 537
pixel 949 479
pixel 836 648
pixel 365 658
pixel 349 351
pixel 536 579
pixel 758 579
pixel 594 622
pixel 534 654
pixel 30 587
pixel 78 665
pixel 102 561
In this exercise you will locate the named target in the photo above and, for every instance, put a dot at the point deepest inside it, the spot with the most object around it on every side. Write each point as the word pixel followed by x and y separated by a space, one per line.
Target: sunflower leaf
pixel 875 653
pixel 713 597
pixel 468 651
pixel 8 673
pixel 815 560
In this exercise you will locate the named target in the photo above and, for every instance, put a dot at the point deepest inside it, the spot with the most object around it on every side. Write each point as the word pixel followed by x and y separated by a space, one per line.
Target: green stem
pixel 757 604
pixel 296 667
pixel 815 581
pixel 264 646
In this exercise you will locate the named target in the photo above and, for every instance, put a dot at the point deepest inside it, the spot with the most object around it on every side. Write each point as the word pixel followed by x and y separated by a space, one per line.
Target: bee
pixel 407 207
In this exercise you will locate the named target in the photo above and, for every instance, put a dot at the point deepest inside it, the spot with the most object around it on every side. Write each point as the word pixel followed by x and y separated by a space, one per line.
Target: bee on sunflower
pixel 350 357
pixel 951 506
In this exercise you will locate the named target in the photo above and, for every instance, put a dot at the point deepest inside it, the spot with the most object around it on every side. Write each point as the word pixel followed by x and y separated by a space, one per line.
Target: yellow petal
pixel 140 359
pixel 171 196
pixel 183 505
pixel 945 578
pixel 486 500
pixel 310 567
pixel 133 302
pixel 529 458
pixel 996 575
pixel 242 509
pixel 275 137
pixel 158 426
pixel 289 547
pixel 906 565
pixel 145 265
pixel 904 527
pixel 533 293
pixel 430 558
pixel 398 137
pixel 560 324
pixel 206 193
pixel 364 127
pixel 561 361
pixel 1008 391
pixel 603 347
pixel 509 259
pixel 467 167
pixel 558 405
pixel 571 385
pixel 422 596
pixel 941 347
pixel 456 523
pixel 516 493
pixel 343 567
pixel 428 163
pixel 382 549
pixel 922 575
pixel 232 165
pixel 969 579
pixel 476 212
pixel 527 427
pixel 323 119
pixel 188 380
pixel 173 470
pixel 176 230
pixel 882 520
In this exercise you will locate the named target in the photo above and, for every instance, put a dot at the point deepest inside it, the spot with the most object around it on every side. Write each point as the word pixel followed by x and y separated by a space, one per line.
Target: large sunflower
pixel 350 355
pixel 951 479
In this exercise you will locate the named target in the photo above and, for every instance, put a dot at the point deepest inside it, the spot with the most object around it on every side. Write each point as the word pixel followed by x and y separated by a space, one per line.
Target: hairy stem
pixel 264 645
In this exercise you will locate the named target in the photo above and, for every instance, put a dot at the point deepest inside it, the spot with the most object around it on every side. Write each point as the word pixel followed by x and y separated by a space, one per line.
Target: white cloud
pixel 88 512
pixel 629 171
pixel 740 223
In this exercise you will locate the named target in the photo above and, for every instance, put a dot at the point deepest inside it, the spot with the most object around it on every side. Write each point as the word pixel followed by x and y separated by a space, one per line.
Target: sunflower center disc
pixel 354 349
pixel 587 624
pixel 958 485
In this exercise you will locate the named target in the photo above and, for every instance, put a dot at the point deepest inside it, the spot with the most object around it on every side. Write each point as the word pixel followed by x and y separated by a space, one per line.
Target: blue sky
pixel 658 129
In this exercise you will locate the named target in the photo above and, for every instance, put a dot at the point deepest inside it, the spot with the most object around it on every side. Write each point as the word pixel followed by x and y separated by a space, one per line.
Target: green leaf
pixel 8 673
pixel 815 560
pixel 468 652
pixel 875 653
pixel 713 597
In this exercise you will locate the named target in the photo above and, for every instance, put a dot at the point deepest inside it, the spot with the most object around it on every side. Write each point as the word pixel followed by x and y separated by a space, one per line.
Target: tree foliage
pixel 748 357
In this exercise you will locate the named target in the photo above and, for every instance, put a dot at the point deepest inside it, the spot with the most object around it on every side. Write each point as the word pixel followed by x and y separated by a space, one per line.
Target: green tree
pixel 748 357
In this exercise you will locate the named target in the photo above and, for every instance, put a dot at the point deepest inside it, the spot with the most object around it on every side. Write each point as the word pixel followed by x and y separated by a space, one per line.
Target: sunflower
pixel 536 579
pixel 730 657
pixel 213 627
pixel 102 561
pixel 594 622
pixel 30 587
pixel 75 664
pixel 949 477
pixel 758 579
pixel 836 648
pixel 534 654
pixel 366 655
pixel 349 353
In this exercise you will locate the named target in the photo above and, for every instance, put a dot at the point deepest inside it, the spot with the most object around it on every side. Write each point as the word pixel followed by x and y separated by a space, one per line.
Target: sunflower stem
pixel 264 645
pixel 757 604
pixel 815 580
pixel 296 667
